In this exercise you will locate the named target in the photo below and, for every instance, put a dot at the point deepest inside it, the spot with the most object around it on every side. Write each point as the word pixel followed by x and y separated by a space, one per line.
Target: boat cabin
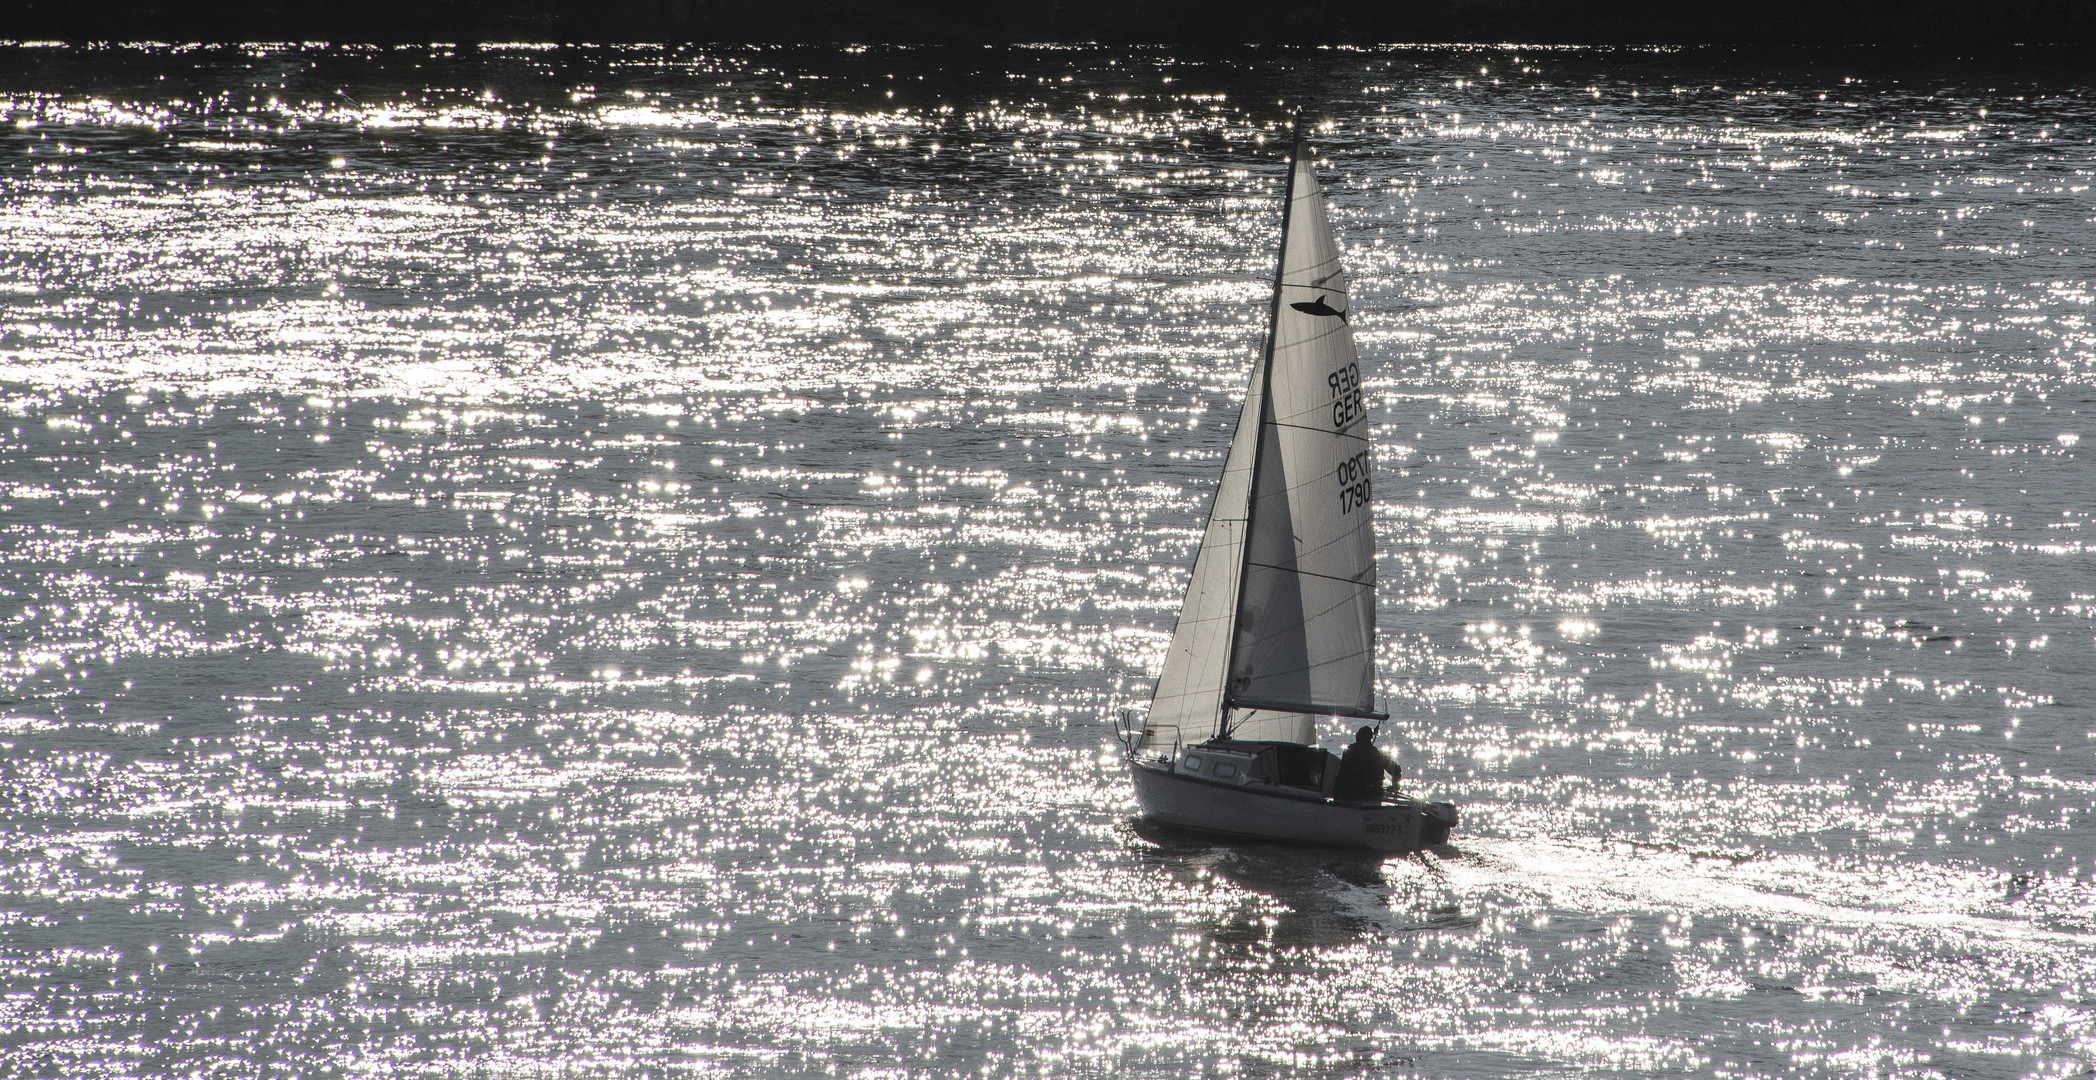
pixel 1307 772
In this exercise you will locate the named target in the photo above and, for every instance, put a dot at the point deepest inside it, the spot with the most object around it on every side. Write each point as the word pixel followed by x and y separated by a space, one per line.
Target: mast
pixel 1266 385
pixel 1302 632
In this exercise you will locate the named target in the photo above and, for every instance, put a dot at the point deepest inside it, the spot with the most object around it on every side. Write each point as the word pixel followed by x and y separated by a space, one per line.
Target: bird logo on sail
pixel 1318 307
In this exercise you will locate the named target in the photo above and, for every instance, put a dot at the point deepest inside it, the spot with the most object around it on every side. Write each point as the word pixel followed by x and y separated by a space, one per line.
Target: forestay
pixel 1279 620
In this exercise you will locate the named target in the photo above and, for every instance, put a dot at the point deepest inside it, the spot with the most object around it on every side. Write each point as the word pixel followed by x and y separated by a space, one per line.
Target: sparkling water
pixel 624 562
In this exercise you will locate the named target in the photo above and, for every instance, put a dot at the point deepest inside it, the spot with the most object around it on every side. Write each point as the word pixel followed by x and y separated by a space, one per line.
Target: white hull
pixel 1247 813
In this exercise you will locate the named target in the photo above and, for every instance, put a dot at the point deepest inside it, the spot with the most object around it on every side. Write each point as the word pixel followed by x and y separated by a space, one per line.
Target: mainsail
pixel 1279 621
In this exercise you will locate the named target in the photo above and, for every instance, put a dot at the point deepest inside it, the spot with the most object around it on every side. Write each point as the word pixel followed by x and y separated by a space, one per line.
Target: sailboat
pixel 1278 626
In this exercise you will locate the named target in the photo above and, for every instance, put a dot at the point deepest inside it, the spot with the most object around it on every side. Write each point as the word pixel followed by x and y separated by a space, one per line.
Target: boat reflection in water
pixel 1307 897
pixel 1278 626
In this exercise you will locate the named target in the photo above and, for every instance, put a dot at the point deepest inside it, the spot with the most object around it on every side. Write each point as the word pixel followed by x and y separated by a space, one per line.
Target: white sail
pixel 1278 623
pixel 1306 603
pixel 1187 707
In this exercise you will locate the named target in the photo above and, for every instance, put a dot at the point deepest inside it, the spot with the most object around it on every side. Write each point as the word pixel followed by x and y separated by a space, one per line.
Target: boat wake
pixel 1765 889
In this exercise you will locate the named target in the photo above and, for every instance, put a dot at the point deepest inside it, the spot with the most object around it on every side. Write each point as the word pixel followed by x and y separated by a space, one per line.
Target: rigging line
pixel 1312 573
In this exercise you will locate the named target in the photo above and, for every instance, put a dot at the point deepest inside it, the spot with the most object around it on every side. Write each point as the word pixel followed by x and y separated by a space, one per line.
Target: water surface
pixel 623 562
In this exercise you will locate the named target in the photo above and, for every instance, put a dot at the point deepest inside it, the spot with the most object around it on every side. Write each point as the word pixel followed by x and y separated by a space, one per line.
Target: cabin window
pixel 1224 770
pixel 1193 764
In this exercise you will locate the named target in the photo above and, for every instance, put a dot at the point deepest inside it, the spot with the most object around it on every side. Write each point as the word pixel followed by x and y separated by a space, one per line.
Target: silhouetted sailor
pixel 1361 770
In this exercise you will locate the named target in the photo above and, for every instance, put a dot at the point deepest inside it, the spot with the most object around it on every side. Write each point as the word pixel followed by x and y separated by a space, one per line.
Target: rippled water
pixel 622 562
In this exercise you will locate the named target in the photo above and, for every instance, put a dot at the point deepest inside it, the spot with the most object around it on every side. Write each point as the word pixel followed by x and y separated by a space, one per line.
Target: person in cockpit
pixel 1361 771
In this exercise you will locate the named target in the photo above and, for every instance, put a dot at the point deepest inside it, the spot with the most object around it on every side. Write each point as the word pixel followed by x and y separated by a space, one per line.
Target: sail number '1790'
pixel 1353 482
pixel 1346 395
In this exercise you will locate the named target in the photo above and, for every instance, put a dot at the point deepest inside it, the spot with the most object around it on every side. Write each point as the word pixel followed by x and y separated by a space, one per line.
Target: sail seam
pixel 1321 430
pixel 1336 605
pixel 1312 573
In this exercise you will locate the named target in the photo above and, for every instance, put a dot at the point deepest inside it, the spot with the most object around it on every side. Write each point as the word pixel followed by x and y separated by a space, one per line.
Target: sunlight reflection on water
pixel 623 561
